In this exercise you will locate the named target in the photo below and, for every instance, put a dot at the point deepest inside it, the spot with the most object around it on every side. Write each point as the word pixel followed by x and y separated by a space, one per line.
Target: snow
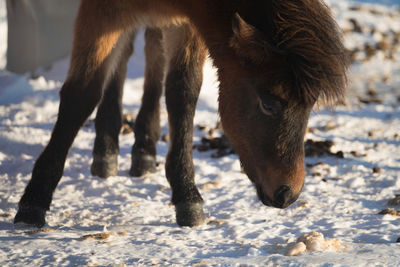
pixel 341 198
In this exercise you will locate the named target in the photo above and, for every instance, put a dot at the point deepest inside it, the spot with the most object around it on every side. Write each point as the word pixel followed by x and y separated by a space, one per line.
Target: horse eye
pixel 270 107
pixel 267 108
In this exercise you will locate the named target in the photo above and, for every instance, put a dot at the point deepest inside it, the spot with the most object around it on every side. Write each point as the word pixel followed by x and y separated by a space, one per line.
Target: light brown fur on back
pixel 103 22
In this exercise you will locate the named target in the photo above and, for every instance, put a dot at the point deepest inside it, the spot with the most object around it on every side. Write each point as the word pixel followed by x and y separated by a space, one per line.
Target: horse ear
pixel 248 42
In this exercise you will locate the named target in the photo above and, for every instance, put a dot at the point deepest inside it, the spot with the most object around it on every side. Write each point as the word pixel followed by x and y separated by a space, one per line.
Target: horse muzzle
pixel 283 197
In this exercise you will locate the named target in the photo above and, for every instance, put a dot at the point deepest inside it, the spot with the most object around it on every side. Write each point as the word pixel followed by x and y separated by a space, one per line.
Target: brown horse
pixel 275 58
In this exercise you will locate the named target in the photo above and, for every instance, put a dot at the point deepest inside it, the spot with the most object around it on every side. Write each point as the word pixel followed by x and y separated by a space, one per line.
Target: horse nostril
pixel 283 196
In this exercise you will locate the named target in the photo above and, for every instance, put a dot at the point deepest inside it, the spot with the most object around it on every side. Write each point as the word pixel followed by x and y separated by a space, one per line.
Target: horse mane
pixel 309 38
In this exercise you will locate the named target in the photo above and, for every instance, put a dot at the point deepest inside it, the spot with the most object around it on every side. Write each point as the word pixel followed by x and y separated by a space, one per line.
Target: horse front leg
pixel 147 125
pixel 96 46
pixel 187 56
pixel 109 118
pixel 75 107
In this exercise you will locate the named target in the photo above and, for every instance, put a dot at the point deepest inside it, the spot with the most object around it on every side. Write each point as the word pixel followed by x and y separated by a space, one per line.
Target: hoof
pixel 31 215
pixel 189 214
pixel 104 166
pixel 142 164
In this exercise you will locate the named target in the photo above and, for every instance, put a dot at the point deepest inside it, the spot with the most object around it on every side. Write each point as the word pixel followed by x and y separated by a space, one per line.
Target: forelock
pixel 311 43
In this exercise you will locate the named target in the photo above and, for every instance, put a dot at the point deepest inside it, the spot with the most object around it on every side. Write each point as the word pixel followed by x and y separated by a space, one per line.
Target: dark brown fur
pixel 311 41
pixel 274 60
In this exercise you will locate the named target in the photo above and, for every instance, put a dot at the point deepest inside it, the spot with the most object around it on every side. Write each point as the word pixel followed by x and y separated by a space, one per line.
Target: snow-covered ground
pixel 133 219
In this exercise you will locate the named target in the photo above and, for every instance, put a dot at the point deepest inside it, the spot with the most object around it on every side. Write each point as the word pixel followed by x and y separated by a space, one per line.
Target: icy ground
pixel 125 221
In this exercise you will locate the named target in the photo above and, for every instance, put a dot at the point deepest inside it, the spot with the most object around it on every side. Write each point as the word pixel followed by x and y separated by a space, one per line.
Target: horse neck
pixel 214 24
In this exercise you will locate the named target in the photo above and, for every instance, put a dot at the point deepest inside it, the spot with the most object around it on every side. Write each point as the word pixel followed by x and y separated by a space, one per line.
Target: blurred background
pixel 39 32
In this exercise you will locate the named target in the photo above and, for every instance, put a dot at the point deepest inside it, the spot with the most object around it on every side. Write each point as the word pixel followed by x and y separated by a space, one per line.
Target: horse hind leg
pixel 187 55
pixel 147 124
pixel 91 66
pixel 109 117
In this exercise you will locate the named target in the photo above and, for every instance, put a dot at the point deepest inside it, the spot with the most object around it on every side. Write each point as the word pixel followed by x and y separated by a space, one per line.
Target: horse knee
pixel 79 100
